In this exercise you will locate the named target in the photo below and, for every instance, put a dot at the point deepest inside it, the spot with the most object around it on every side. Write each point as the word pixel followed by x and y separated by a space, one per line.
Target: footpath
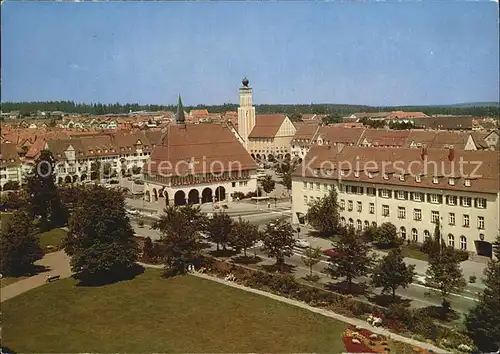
pixel 56 263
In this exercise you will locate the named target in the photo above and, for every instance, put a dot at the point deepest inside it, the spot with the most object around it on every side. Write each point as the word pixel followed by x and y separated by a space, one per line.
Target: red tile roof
pixel 266 126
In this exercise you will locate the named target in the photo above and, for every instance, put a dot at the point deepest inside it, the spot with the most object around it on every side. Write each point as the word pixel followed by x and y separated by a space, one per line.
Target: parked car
pixel 302 244
pixel 331 253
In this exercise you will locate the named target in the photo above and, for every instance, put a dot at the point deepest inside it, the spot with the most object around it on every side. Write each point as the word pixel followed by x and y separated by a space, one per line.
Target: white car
pixel 302 244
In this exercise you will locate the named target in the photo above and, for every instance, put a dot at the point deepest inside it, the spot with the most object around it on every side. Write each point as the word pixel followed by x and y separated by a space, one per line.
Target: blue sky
pixel 373 53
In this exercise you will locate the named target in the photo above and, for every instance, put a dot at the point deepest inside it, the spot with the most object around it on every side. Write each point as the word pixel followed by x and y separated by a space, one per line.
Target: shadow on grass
pixel 109 278
pixel 343 288
pixel 36 269
pixel 247 259
pixel 278 268
pixel 386 300
pixel 7 350
pixel 223 253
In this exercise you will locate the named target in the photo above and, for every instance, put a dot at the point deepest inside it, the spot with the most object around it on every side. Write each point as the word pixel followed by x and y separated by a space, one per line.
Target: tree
pixel 387 235
pixel 219 228
pixel 19 245
pixel 11 185
pixel 353 257
pixel 42 192
pixel 392 272
pixel 278 241
pixel 106 170
pixel 323 214
pixel 243 235
pixel 148 249
pixel 284 171
pixel 181 236
pixel 95 170
pixel 483 321
pixel 100 240
pixel 445 274
pixel 311 257
pixel 331 119
pixel 268 184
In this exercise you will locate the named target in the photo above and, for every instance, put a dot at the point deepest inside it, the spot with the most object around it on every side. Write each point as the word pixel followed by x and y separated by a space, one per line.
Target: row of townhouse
pixel 308 135
pixel 10 165
pixel 411 188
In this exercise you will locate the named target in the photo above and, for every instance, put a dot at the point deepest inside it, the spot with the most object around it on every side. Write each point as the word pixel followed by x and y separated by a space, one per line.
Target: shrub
pixel 140 222
pixel 472 279
pixel 462 255
pixel 224 206
pixel 427 245
pixel 251 195
pixel 239 195
pixel 423 324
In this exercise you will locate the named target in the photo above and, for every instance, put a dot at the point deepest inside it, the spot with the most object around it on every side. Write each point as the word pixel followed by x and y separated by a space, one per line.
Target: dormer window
pixel 435 180
pixel 467 182
pixel 328 172
pixel 356 173
pixel 315 171
pixel 386 176
pixel 418 178
pixel 451 181
pixel 370 174
pixel 343 172
pixel 402 178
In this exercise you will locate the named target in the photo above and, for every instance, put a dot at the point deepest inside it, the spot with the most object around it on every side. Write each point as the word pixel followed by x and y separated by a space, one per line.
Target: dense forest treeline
pixel 29 108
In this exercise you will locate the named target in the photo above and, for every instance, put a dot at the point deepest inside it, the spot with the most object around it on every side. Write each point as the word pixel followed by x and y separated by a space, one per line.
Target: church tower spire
pixel 246 113
pixel 180 118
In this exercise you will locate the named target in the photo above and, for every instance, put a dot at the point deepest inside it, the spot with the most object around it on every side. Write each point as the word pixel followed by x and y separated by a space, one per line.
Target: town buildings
pixel 265 137
pixel 409 187
pixel 198 163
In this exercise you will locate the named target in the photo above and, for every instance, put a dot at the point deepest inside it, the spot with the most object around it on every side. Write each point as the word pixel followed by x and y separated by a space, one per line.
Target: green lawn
pixel 53 238
pixel 410 251
pixel 151 314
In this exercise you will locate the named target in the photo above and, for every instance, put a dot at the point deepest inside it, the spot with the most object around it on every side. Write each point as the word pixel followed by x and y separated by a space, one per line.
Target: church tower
pixel 246 113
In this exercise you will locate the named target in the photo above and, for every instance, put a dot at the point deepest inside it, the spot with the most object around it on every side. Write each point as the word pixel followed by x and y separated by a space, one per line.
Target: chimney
pixel 424 153
pixel 451 153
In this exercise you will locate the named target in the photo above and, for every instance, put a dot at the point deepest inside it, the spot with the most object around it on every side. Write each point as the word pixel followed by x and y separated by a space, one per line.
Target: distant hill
pixel 473 104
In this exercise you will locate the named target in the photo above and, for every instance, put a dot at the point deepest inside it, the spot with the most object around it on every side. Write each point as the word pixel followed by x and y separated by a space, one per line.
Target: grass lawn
pixel 411 252
pixel 53 238
pixel 151 314
pixel 4 219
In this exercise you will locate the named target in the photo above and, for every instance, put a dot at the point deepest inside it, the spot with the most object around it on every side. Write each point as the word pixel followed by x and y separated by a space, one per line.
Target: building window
pixel 418 178
pixel 434 198
pixel 374 223
pixel 367 224
pixel 435 180
pixel 451 181
pixel 371 191
pixel 451 240
pixel 480 222
pixel 233 184
pixel 451 199
pixel 359 207
pixel 349 205
pixel 480 203
pixel 427 235
pixel 434 216
pixel 359 225
pixel 414 235
pixel 305 185
pixel 466 220
pixel 467 182
pixel 325 187
pixel 463 243
pixel 342 204
pixel 417 197
pixel 311 199
pixel 402 231
pixel 342 221
pixel 318 186
pixel 384 193
pixel 451 219
pixel 371 208
pixel 305 199
pixel 310 185
pixel 385 210
pixel 417 214
pixel 351 222
pixel 466 201
pixel 402 212
pixel 400 195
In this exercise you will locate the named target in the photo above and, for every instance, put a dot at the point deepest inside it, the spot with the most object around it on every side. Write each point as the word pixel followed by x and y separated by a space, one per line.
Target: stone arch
pixel 359 225
pixel 160 192
pixel 220 193
pixel 147 196
pixel 179 198
pixel 402 232
pixel 206 195
pixel 287 156
pixel 60 180
pixel 351 222
pixel 258 157
pixel 451 240
pixel 68 179
pixel 155 195
pixel 366 224
pixel 83 177
pixel 270 157
pixel 194 197
pixel 253 156
pixel 300 160
pixel 75 178
pixel 280 156
pixel 342 221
